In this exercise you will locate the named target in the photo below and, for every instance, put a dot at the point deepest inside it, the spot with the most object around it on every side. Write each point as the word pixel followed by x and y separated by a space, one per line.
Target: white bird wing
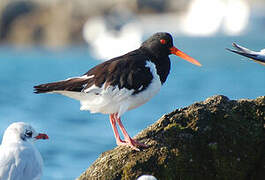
pixel 243 49
pixel 18 163
pixel 258 57
pixel 7 163
pixel 261 56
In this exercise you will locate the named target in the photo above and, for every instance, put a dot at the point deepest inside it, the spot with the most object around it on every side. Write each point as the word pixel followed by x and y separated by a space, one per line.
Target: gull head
pixel 21 132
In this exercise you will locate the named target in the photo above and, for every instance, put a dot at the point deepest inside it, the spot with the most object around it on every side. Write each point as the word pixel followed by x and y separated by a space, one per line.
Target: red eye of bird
pixel 163 41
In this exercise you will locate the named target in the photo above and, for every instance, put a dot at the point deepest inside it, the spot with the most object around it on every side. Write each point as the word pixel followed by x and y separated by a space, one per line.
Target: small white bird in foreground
pixel 19 159
pixel 258 57
pixel 146 177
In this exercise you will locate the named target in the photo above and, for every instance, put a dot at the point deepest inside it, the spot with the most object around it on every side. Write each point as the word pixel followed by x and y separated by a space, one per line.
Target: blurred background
pixel 44 41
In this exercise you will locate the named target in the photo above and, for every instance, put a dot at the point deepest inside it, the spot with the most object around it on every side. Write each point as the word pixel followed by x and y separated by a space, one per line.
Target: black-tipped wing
pixel 243 53
pixel 243 49
pixel 255 56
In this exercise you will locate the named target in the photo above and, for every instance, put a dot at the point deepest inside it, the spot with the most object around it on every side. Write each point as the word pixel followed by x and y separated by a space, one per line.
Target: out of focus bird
pixel 19 158
pixel 117 31
pixel 258 57
pixel 122 83
pixel 146 177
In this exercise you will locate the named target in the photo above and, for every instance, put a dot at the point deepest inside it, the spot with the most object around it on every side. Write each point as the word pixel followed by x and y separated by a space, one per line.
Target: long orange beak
pixel 184 56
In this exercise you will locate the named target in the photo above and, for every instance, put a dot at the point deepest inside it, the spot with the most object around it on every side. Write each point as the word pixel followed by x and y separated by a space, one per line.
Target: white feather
pixel 146 177
pixel 112 99
pixel 19 159
pixel 80 77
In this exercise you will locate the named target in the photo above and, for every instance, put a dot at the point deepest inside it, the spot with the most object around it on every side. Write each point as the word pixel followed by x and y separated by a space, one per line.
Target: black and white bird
pixel 122 83
pixel 19 158
pixel 258 57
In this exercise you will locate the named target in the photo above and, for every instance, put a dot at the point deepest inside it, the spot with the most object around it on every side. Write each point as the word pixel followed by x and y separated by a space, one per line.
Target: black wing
pixel 127 71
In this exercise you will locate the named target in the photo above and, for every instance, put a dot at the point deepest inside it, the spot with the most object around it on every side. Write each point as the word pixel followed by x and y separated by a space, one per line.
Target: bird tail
pixel 73 84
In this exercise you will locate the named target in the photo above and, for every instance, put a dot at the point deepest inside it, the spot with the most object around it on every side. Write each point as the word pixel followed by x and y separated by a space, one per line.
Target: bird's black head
pixel 160 45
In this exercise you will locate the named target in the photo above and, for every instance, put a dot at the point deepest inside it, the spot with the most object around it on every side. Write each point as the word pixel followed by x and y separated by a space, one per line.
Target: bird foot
pixel 131 143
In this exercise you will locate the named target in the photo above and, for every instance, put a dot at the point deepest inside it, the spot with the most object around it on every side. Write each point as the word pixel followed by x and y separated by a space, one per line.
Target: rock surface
pixel 214 139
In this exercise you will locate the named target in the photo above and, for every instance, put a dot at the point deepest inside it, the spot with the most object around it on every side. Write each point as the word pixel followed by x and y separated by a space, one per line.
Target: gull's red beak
pixel 184 56
pixel 42 136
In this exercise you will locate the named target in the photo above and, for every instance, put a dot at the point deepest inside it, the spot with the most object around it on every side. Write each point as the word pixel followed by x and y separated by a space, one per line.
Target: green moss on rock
pixel 214 139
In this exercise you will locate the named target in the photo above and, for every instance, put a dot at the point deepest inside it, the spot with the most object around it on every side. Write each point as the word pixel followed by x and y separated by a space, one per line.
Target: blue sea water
pixel 77 137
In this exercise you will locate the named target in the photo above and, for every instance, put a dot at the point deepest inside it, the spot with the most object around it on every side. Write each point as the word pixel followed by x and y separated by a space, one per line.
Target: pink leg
pixel 129 141
pixel 116 133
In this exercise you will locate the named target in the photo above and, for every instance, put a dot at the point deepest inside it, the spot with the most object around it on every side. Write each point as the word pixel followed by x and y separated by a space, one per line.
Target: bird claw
pixel 139 144
pixel 131 143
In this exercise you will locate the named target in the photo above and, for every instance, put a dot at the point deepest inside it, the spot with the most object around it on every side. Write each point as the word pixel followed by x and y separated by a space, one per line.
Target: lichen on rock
pixel 214 139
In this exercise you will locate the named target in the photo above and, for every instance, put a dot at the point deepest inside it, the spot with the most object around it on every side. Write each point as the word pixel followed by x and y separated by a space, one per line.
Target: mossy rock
pixel 218 139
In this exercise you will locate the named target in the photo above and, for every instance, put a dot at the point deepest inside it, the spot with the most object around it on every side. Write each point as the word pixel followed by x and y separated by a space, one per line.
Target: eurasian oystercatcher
pixel 19 158
pixel 258 57
pixel 122 83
